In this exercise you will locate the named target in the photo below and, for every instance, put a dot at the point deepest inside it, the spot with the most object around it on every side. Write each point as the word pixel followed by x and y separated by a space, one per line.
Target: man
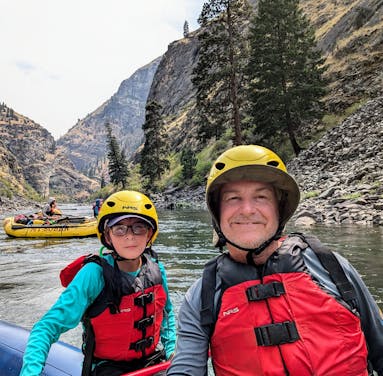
pixel 271 304
pixel 50 209
pixel 97 206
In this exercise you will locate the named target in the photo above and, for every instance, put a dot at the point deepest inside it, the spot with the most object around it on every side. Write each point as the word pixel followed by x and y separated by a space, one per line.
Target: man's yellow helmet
pixel 257 163
pixel 127 203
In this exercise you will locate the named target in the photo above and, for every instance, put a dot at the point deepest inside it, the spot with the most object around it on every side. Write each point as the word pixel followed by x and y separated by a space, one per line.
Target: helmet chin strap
pixel 251 251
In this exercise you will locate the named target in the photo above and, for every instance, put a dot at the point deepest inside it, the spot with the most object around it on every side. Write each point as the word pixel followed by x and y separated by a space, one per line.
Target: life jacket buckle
pixel 142 344
pixel 276 334
pixel 143 323
pixel 144 299
pixel 265 291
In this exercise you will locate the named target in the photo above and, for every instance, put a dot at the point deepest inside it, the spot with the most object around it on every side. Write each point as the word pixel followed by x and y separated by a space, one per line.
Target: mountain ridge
pixel 85 142
pixel 349 32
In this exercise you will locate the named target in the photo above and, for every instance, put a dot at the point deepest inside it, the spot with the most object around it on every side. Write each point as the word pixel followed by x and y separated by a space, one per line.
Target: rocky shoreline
pixel 10 206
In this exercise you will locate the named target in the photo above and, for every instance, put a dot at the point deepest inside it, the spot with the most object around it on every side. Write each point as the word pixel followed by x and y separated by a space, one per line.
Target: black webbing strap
pixel 142 344
pixel 276 334
pixel 264 291
pixel 144 323
pixel 88 348
pixel 208 293
pixel 144 299
pixel 332 265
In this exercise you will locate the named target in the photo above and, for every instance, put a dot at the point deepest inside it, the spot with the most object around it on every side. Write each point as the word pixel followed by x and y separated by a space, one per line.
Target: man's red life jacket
pixel 279 321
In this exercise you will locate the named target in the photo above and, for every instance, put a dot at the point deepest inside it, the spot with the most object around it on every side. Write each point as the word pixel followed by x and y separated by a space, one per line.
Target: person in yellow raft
pixel 122 297
pixel 51 209
pixel 272 304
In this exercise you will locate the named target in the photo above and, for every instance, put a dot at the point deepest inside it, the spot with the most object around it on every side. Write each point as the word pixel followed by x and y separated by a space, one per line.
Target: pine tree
pixel 285 70
pixel 188 162
pixel 186 29
pixel 219 74
pixel 153 156
pixel 118 166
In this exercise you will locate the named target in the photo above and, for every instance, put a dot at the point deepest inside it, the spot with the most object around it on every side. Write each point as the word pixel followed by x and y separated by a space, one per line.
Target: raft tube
pixel 62 229
pixel 63 359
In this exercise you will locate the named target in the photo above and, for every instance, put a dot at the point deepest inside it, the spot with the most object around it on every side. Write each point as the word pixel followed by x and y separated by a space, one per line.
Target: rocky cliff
pixel 30 165
pixel 85 143
pixel 341 175
pixel 349 33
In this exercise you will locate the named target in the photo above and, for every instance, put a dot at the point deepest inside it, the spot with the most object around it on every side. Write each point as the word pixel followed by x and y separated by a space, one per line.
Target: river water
pixel 29 268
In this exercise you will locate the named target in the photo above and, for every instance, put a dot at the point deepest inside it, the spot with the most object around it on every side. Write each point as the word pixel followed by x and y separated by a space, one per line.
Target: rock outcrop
pixel 30 165
pixel 349 33
pixel 85 142
pixel 341 175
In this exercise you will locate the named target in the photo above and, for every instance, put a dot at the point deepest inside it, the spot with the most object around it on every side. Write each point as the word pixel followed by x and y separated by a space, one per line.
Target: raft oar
pixel 71 219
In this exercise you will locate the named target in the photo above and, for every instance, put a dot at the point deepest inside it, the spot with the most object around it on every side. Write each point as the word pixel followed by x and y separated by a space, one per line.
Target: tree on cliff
pixel 186 29
pixel 118 166
pixel 219 74
pixel 285 70
pixel 188 163
pixel 153 155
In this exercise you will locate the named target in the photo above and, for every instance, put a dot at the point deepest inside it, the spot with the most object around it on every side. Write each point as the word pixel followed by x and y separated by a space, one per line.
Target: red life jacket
pixel 134 331
pixel 125 319
pixel 281 322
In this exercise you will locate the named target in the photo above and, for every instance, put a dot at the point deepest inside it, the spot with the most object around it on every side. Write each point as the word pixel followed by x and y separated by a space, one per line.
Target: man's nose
pixel 248 206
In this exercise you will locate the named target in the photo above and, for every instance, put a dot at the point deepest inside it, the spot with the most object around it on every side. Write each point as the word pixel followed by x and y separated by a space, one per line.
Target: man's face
pixel 248 213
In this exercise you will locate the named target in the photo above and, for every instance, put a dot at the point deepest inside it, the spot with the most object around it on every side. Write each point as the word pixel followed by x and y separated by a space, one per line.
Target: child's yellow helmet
pixel 124 203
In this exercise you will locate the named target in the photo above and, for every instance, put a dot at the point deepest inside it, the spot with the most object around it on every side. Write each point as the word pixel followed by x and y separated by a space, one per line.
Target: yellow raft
pixel 64 228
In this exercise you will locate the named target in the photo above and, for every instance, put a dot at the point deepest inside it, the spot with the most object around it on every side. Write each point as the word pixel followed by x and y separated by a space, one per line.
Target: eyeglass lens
pixel 137 229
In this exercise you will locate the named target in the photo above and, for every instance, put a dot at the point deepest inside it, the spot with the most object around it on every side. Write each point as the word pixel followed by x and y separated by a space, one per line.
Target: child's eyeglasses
pixel 122 230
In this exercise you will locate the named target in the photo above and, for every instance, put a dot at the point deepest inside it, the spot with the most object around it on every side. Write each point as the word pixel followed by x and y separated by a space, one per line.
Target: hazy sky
pixel 60 60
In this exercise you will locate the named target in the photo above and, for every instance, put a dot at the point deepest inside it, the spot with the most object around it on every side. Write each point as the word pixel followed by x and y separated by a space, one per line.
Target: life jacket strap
pixel 276 334
pixel 332 265
pixel 144 323
pixel 142 344
pixel 265 291
pixel 88 347
pixel 207 295
pixel 144 299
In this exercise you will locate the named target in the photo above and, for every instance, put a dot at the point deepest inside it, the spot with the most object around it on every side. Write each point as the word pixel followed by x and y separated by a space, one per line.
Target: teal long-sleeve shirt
pixel 68 310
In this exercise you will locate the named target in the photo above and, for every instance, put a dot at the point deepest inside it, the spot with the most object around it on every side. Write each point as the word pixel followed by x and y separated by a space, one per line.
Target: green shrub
pixel 310 194
pixel 352 196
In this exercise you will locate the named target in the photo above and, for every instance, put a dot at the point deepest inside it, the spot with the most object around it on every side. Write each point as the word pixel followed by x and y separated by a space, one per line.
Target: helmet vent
pixel 148 206
pixel 273 163
pixel 220 166
pixel 111 203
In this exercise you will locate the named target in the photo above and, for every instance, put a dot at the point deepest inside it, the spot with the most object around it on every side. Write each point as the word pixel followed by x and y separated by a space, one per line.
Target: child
pixel 122 298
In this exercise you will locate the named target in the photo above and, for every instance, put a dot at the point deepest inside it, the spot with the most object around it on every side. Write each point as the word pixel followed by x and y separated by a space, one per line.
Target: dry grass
pixel 330 11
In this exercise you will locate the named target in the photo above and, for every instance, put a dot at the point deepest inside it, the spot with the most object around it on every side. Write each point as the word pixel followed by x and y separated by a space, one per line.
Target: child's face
pixel 129 237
